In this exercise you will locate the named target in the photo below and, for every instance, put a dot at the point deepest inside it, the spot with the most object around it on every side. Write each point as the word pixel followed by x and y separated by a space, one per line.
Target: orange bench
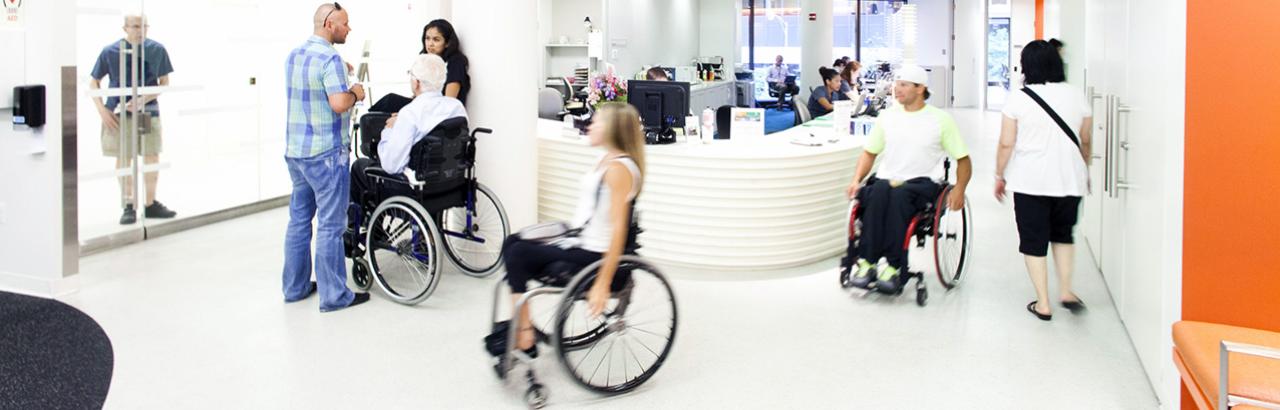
pixel 1252 372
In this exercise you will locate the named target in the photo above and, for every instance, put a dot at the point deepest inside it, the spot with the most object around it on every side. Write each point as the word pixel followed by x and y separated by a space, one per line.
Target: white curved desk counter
pixel 727 206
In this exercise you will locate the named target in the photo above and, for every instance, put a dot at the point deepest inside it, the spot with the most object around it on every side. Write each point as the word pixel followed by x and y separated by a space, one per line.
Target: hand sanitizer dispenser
pixel 28 105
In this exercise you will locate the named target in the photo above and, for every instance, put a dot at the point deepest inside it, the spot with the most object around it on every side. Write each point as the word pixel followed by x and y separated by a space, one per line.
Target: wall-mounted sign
pixel 12 13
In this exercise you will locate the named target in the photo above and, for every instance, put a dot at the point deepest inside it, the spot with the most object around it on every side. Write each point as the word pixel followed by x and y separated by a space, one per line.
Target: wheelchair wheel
pixel 401 246
pixel 360 274
pixel 473 234
pixel 622 348
pixel 952 241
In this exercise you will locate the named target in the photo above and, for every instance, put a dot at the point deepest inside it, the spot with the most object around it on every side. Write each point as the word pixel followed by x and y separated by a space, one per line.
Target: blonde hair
pixel 624 131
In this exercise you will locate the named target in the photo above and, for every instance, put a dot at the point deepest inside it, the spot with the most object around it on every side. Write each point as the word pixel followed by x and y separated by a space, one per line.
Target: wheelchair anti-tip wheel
pixel 473 233
pixel 401 244
pixel 360 274
pixel 620 349
pixel 952 240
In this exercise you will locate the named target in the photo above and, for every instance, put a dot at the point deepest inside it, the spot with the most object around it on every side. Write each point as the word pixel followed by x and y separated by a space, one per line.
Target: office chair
pixel 550 104
pixel 802 112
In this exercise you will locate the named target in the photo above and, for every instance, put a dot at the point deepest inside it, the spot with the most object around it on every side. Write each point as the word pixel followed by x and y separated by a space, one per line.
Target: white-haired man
pixel 428 109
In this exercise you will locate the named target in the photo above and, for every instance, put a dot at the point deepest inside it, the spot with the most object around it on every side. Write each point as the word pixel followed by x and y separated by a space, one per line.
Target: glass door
pixel 114 119
pixel 999 63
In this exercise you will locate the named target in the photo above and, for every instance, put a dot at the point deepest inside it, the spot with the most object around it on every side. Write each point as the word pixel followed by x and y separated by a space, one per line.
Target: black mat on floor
pixel 52 356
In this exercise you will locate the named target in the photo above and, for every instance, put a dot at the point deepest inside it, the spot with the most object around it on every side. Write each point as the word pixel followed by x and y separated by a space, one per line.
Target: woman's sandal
pixel 1031 307
pixel 1076 306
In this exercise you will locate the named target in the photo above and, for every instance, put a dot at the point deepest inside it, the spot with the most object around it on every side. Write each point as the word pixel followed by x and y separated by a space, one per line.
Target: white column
pixel 501 40
pixel 815 42
pixel 33 259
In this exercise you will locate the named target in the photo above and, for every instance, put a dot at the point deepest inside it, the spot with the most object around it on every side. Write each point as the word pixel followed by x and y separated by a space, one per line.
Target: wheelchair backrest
pixel 443 157
pixel 370 132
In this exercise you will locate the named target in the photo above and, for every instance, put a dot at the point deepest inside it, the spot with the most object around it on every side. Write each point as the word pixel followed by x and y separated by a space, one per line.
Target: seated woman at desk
pixel 438 38
pixel 849 79
pixel 822 99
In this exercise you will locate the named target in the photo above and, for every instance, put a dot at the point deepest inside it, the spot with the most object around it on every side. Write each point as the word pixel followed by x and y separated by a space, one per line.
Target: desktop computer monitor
pixel 662 104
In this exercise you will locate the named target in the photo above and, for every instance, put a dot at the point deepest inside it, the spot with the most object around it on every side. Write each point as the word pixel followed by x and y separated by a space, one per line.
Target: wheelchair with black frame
pixel 612 353
pixel 949 232
pixel 397 225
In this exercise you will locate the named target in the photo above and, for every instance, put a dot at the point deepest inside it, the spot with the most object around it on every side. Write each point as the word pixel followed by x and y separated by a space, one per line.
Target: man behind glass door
pixel 141 114
pixel 317 156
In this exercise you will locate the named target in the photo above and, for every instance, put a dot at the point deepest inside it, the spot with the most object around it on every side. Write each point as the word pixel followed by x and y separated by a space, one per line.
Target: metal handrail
pixel 1225 399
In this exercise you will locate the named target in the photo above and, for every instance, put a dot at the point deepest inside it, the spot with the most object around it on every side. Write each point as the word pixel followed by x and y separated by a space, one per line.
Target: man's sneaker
pixel 158 210
pixel 865 274
pixel 888 281
pixel 130 215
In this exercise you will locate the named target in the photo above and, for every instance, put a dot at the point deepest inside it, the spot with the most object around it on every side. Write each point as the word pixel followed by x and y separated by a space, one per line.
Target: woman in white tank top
pixel 603 213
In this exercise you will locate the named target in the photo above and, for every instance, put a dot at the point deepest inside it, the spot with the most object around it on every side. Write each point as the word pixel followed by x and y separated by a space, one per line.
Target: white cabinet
pixel 712 94
pixel 1133 219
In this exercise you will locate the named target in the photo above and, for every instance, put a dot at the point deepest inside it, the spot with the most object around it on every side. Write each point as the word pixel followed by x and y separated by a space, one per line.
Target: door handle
pixel 1124 185
pixel 1123 108
pixel 1124 145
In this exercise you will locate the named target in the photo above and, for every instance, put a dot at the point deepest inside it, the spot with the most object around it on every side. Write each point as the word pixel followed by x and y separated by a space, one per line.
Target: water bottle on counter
pixel 708 124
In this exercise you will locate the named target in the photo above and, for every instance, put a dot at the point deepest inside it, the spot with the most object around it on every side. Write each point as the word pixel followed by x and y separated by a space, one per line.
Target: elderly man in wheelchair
pixel 910 140
pixel 416 187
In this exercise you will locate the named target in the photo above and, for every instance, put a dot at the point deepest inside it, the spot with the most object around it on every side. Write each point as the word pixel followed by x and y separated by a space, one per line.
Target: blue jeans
pixel 321 186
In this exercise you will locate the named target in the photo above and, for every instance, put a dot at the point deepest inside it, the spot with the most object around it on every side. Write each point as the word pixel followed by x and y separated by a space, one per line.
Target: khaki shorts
pixel 149 138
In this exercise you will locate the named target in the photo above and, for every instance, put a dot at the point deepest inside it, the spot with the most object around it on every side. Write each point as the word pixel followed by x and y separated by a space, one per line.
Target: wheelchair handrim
pixel 951 246
pixel 637 341
pixel 416 252
pixel 475 258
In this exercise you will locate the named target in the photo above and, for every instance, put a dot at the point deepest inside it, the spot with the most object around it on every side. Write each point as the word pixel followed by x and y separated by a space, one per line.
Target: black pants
pixel 390 103
pixel 886 213
pixel 525 260
pixel 1044 219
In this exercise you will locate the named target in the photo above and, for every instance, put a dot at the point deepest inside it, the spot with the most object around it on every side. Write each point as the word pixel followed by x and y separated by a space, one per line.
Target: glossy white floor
pixel 197 321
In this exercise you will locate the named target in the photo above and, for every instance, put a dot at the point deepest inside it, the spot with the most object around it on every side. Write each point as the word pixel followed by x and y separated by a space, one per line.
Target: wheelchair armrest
pixel 481 130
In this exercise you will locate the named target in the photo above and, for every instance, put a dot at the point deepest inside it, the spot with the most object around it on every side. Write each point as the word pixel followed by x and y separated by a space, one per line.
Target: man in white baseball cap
pixel 912 138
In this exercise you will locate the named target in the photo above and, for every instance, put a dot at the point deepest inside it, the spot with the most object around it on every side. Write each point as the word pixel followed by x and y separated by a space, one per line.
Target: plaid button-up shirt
pixel 315 71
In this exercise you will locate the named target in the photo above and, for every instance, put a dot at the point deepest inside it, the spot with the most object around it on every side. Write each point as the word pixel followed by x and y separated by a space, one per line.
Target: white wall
pixel 1059 14
pixel 718 30
pixel 31 229
pixel 970 49
pixel 507 160
pixel 1022 30
pixel 656 32
pixel 933 24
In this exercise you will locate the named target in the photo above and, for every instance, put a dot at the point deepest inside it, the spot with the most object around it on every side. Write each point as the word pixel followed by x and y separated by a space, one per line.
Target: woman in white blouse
pixel 1045 165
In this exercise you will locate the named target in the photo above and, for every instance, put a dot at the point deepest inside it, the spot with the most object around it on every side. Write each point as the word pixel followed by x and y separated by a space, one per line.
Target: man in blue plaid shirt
pixel 317 155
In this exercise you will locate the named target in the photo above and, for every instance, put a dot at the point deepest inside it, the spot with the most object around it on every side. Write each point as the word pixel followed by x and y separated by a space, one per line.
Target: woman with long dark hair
pixel 439 38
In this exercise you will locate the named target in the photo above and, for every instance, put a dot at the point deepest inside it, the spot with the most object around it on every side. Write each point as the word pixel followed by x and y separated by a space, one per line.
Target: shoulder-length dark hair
pixel 453 45
pixel 1041 63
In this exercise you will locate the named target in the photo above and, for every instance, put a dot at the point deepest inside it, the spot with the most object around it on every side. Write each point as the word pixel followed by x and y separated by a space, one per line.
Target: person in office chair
pixel 427 109
pixel 911 138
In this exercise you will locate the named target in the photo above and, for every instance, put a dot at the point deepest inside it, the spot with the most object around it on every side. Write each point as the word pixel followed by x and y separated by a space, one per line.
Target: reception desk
pixel 729 206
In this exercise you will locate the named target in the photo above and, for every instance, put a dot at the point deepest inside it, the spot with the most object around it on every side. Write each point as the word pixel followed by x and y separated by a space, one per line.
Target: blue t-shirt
pixel 815 108
pixel 155 64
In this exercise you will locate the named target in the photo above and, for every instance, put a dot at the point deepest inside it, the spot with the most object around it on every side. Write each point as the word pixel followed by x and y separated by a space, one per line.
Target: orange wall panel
pixel 1231 219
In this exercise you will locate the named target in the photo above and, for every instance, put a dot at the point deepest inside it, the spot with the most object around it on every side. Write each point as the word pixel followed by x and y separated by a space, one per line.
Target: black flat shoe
pixel 1075 307
pixel 1031 307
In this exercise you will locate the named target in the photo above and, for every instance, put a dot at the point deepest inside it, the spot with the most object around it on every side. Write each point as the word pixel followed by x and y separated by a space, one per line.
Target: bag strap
pixel 1053 114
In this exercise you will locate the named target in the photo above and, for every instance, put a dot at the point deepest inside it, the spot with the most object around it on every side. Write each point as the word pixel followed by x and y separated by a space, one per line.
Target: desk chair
pixel 550 104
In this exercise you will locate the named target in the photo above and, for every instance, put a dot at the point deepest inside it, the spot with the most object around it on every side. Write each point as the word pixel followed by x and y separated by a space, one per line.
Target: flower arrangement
pixel 606 88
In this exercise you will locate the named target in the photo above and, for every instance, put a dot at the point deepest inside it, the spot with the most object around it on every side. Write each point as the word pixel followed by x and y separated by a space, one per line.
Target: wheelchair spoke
pixel 605 357
pixel 642 367
pixel 667 337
